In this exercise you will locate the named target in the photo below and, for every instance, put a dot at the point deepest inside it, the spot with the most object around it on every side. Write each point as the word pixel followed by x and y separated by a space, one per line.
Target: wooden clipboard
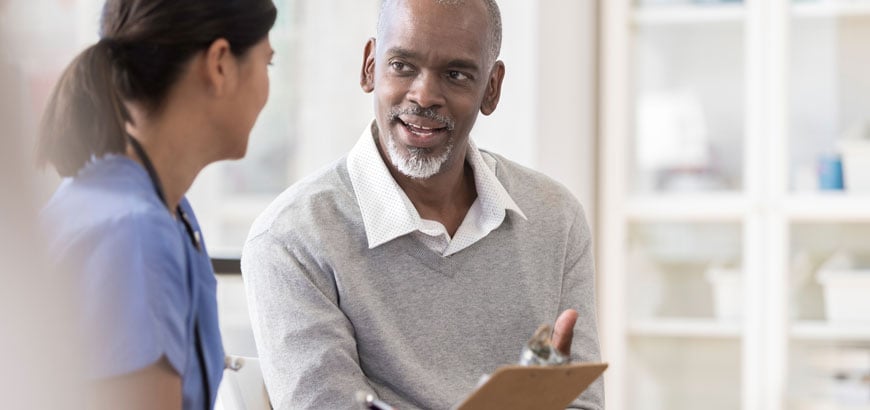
pixel 533 387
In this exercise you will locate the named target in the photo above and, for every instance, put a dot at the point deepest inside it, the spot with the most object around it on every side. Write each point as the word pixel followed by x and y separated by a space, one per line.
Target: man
pixel 418 263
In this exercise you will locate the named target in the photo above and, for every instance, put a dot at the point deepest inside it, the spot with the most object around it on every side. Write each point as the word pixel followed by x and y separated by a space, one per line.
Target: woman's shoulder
pixel 106 190
pixel 110 203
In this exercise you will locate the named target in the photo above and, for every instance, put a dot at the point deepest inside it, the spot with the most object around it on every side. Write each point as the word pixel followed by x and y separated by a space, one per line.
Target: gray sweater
pixel 332 317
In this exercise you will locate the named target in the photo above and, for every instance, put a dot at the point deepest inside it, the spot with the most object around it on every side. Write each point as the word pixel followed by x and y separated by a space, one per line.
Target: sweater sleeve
pixel 578 292
pixel 305 342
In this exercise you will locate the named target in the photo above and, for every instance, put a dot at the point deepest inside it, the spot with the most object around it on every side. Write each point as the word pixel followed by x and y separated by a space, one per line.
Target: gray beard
pixel 418 164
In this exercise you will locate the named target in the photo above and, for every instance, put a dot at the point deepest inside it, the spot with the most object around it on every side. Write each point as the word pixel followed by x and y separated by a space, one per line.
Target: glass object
pixel 540 351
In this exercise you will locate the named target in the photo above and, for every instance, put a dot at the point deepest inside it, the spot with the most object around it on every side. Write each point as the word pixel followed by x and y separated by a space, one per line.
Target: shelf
pixel 824 331
pixel 833 207
pixel 831 9
pixel 688 14
pixel 691 328
pixel 705 207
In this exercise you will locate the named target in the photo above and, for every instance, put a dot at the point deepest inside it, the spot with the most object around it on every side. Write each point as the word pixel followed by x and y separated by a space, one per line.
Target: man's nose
pixel 426 91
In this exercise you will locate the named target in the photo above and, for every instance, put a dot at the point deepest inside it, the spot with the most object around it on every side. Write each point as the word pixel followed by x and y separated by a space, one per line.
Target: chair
pixel 242 387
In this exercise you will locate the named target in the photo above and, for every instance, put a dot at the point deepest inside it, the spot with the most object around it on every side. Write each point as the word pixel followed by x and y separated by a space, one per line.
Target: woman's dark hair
pixel 144 46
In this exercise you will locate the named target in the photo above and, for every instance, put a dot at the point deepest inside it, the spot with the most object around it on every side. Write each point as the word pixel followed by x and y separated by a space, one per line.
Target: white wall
pixel 331 54
pixel 567 96
pixel 511 129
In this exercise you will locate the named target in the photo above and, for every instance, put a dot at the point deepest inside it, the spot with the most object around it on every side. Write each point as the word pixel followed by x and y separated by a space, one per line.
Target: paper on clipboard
pixel 533 387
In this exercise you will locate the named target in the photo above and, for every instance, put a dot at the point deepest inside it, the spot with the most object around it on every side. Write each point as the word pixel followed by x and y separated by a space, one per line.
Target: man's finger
pixel 563 331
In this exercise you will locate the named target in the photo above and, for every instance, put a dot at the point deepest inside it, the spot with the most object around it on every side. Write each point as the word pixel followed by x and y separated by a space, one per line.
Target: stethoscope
pixel 197 244
pixel 194 235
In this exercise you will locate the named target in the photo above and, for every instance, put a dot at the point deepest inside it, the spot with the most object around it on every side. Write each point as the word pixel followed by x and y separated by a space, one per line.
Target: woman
pixel 172 86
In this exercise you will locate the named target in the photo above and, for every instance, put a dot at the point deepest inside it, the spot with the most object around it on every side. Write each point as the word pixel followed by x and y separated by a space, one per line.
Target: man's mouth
pixel 423 127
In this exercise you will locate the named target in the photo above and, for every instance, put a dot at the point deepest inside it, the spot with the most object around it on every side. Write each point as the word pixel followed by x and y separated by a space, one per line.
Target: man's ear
pixel 220 67
pixel 367 74
pixel 493 89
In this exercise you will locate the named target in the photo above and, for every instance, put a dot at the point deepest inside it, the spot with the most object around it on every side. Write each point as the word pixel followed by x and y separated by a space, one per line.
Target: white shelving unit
pixel 673 209
pixel 831 8
pixel 824 331
pixel 828 207
pixel 688 14
pixel 685 328
pixel 687 207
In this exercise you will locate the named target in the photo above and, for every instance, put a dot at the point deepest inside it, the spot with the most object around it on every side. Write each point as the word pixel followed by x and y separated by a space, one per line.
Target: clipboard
pixel 533 387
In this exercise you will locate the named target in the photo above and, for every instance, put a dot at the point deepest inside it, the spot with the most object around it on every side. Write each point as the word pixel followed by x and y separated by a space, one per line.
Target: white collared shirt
pixel 388 213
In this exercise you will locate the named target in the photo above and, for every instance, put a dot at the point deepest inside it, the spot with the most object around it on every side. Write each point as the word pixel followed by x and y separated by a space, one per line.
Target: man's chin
pixel 416 165
pixel 418 173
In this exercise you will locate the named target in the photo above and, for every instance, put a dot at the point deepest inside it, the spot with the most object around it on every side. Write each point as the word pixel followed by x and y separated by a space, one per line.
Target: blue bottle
pixel 830 172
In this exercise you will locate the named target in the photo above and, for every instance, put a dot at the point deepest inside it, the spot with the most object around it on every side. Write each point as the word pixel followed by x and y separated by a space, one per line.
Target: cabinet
pixel 717 119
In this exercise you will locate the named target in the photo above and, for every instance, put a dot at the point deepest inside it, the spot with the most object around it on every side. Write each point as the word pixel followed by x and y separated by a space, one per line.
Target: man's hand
pixel 563 331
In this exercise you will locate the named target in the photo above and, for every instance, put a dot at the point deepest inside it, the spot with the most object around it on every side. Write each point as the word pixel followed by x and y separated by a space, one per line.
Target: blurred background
pixel 721 149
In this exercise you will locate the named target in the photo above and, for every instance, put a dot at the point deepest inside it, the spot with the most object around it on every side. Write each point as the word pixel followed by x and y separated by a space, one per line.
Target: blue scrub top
pixel 143 284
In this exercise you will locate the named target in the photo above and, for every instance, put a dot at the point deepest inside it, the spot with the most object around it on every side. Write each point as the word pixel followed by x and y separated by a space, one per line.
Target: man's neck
pixel 445 197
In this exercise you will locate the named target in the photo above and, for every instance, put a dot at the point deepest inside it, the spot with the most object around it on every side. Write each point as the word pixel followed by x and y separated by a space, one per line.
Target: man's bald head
pixel 491 7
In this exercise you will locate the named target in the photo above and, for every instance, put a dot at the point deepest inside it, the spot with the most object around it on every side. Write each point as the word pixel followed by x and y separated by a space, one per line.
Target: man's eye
pixel 457 75
pixel 399 66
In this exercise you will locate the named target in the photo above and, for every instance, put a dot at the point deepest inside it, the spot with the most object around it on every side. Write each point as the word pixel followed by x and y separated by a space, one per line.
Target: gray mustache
pixel 427 113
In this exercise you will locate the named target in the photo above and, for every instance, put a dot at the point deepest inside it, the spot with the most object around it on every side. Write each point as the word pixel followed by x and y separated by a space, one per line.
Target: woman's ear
pixel 367 74
pixel 220 67
pixel 493 89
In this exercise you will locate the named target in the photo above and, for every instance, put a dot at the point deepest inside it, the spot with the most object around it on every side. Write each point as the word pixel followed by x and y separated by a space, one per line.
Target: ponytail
pixel 85 117
pixel 145 46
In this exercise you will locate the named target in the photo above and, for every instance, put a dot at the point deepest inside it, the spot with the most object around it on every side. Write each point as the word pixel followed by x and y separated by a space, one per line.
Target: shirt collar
pixel 490 192
pixel 386 210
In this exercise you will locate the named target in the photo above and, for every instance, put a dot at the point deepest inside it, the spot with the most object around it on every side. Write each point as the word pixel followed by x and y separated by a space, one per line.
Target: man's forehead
pixel 435 22
pixel 446 13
